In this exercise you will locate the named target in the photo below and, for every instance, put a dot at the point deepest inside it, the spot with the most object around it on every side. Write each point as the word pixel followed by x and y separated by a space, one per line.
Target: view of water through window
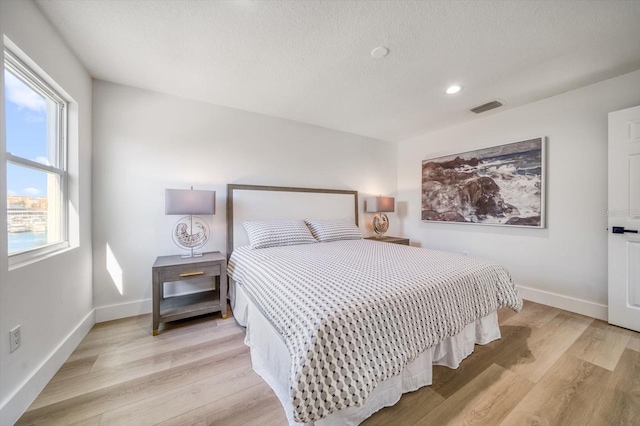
pixel 31 192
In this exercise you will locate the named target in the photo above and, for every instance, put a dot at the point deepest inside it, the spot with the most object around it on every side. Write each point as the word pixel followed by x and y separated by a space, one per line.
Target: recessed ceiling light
pixel 453 89
pixel 379 52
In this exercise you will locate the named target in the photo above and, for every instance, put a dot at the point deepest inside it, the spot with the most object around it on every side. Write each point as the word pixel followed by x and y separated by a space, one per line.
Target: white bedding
pixel 357 315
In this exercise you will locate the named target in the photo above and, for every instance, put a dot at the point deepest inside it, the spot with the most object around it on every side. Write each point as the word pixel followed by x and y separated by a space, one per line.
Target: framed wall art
pixel 502 185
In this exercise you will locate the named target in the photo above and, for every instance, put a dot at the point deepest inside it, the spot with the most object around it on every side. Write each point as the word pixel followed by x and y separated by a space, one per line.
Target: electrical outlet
pixel 16 338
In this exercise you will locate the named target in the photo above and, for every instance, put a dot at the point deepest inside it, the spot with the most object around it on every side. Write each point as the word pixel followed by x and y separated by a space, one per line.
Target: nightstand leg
pixel 223 293
pixel 157 295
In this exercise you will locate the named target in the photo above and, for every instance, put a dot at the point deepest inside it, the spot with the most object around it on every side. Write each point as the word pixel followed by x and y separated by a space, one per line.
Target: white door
pixel 624 218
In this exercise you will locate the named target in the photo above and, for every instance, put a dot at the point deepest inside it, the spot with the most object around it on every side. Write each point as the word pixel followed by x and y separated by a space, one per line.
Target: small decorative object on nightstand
pixel 380 205
pixel 176 268
pixel 392 240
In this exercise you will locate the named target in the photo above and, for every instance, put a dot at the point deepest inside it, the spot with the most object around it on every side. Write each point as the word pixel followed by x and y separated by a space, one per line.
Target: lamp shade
pixel 189 201
pixel 380 204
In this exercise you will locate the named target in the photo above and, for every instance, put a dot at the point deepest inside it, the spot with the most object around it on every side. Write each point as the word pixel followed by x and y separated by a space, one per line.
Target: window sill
pixel 20 260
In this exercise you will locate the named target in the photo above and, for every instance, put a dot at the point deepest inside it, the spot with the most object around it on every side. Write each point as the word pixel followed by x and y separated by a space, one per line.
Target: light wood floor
pixel 551 367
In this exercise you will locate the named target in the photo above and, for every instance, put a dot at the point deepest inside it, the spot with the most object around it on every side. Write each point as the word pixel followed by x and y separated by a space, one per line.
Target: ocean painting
pixel 502 185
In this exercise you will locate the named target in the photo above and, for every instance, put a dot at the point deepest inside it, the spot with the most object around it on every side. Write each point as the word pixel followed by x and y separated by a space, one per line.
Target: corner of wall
pixel 17 403
pixel 123 310
pixel 51 331
pixel 567 303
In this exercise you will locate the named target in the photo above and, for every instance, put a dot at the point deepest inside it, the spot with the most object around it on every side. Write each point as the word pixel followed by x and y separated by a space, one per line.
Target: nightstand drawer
pixel 178 273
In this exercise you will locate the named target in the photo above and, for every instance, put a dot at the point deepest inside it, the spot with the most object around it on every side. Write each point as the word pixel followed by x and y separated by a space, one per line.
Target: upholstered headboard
pixel 254 202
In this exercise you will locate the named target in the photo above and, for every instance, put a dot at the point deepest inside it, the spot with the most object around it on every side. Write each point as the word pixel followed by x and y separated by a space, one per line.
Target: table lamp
pixel 380 205
pixel 190 233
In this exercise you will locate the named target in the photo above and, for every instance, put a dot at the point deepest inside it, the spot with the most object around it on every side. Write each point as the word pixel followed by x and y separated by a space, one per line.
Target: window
pixel 36 127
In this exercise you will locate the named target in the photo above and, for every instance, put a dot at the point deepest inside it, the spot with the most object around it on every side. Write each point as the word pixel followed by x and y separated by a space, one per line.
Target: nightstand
pixel 175 268
pixel 392 240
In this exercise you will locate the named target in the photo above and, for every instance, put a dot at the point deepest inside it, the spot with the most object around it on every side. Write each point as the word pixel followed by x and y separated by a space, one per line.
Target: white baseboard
pixel 17 403
pixel 568 303
pixel 123 310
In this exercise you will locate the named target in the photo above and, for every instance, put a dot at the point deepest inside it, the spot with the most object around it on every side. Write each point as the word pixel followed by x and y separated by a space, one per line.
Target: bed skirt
pixel 270 359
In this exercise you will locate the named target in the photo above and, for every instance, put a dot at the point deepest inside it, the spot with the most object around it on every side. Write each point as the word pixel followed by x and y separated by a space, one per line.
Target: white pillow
pixel 334 229
pixel 274 233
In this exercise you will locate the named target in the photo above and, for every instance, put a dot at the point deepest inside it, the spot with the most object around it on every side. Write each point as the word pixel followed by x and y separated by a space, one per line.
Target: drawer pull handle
pixel 191 274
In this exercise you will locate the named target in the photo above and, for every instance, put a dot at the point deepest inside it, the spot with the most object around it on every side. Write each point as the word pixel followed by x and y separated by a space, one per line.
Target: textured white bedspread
pixel 354 313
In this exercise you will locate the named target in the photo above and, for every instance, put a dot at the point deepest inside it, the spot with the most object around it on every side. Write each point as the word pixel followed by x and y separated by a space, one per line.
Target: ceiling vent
pixel 486 107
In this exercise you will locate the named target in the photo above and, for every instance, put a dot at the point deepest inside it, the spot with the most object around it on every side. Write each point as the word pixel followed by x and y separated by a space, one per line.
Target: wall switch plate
pixel 16 338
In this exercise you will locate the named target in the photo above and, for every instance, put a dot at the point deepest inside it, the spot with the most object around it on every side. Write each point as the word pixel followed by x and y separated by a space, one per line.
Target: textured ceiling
pixel 310 60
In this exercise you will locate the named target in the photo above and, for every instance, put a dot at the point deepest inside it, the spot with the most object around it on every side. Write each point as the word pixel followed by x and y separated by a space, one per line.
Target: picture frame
pixel 502 185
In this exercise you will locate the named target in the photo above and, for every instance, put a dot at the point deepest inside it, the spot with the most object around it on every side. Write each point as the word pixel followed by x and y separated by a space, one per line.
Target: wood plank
pixel 535 356
pixel 564 396
pixel 601 344
pixel 65 389
pixel 532 315
pixel 110 398
pixel 409 410
pixel 257 402
pixel 274 417
pixel 109 334
pixel 118 341
pixel 92 421
pixel 153 410
pixel 130 325
pixel 447 381
pixel 634 341
pixel 74 368
pixel 140 326
pixel 619 400
pixel 504 314
pixel 197 417
pixel 157 345
pixel 486 400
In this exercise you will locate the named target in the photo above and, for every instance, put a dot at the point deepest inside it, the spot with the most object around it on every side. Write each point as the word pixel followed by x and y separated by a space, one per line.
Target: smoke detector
pixel 379 52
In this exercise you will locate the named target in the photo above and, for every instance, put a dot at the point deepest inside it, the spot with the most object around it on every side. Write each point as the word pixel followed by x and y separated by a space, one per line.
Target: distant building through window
pixel 36 129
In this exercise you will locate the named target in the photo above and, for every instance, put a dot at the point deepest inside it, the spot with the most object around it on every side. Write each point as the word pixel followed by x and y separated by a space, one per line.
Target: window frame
pixel 36 82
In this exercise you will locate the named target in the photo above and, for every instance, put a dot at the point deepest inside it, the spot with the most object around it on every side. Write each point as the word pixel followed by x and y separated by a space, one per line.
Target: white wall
pixel 52 298
pixel 145 142
pixel 569 258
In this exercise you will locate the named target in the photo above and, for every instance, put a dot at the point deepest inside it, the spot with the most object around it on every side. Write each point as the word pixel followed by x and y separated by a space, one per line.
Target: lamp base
pixel 191 254
pixel 380 224
pixel 190 233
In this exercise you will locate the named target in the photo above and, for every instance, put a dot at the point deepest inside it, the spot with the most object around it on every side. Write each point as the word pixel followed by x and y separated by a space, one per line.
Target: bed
pixel 342 328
